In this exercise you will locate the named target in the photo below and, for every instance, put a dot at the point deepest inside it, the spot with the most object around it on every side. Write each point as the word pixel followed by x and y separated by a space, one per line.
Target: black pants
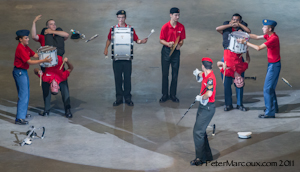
pixel 122 68
pixel 64 89
pixel 204 116
pixel 166 61
pixel 59 43
pixel 56 41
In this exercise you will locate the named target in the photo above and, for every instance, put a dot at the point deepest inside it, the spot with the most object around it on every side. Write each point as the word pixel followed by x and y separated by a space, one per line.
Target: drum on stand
pixel 236 47
pixel 46 51
pixel 122 43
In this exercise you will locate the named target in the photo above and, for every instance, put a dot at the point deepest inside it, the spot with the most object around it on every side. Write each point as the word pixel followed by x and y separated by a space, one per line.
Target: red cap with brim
pixel 207 59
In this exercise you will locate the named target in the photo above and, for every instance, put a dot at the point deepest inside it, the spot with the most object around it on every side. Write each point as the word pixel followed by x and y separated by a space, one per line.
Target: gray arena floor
pixel 101 137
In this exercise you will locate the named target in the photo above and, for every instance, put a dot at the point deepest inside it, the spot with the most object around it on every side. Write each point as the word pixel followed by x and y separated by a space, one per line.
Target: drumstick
pixel 287 82
pixel 62 65
pixel 93 37
pixel 224 72
pixel 152 31
pixel 40 80
pixel 174 46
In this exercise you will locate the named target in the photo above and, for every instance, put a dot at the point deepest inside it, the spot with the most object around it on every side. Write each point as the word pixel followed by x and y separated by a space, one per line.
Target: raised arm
pixel 33 28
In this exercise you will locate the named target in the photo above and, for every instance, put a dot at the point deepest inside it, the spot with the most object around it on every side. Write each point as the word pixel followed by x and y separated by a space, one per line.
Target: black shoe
pixel 265 116
pixel 196 162
pixel 242 108
pixel 276 111
pixel 174 99
pixel 164 98
pixel 45 113
pixel 68 113
pixel 28 116
pixel 228 108
pixel 117 102
pixel 129 102
pixel 21 122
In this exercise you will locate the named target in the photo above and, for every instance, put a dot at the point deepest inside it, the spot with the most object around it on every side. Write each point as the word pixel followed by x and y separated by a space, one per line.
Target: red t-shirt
pixel 239 68
pixel 273 47
pixel 22 55
pixel 41 40
pixel 210 82
pixel 135 37
pixel 232 58
pixel 54 73
pixel 168 33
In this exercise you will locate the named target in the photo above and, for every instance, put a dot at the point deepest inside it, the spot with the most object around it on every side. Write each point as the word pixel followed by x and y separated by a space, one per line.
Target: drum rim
pixel 240 32
pixel 51 49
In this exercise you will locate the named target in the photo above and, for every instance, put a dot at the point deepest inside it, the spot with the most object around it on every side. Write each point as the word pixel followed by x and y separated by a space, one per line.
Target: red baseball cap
pixel 207 59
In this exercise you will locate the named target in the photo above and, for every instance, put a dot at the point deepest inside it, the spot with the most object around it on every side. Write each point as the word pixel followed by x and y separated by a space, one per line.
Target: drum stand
pixel 31 134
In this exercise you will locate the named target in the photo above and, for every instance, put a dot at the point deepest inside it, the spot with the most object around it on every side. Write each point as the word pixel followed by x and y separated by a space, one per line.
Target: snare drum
pixel 48 51
pixel 122 43
pixel 236 47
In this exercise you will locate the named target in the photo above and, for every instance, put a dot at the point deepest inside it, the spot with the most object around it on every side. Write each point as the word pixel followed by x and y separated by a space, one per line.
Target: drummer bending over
pixel 52 36
pixel 235 24
pixel 54 76
pixel 235 71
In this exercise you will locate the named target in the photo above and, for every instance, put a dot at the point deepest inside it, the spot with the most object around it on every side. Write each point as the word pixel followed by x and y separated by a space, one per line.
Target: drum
pixel 48 51
pixel 122 43
pixel 236 47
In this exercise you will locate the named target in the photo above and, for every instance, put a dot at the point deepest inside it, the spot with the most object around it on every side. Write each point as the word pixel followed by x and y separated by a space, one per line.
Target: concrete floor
pixel 101 137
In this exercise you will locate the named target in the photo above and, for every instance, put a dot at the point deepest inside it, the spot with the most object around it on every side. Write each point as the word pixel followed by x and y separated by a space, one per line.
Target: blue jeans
pixel 269 88
pixel 228 92
pixel 22 83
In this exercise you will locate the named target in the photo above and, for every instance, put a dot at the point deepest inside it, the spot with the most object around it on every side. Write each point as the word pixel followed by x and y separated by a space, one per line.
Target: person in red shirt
pixel 122 67
pixel 274 65
pixel 53 36
pixel 206 111
pixel 235 71
pixel 21 64
pixel 168 35
pixel 54 75
pixel 235 24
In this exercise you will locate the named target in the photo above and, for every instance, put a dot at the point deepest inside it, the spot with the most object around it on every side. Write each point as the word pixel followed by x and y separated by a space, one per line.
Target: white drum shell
pixel 52 54
pixel 122 43
pixel 236 47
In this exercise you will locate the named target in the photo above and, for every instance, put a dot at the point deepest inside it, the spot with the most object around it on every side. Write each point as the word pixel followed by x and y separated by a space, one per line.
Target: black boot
pixel 68 113
pixel 45 113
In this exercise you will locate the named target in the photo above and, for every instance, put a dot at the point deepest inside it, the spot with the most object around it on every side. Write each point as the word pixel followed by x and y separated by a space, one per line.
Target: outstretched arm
pixel 257 37
pixel 257 47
